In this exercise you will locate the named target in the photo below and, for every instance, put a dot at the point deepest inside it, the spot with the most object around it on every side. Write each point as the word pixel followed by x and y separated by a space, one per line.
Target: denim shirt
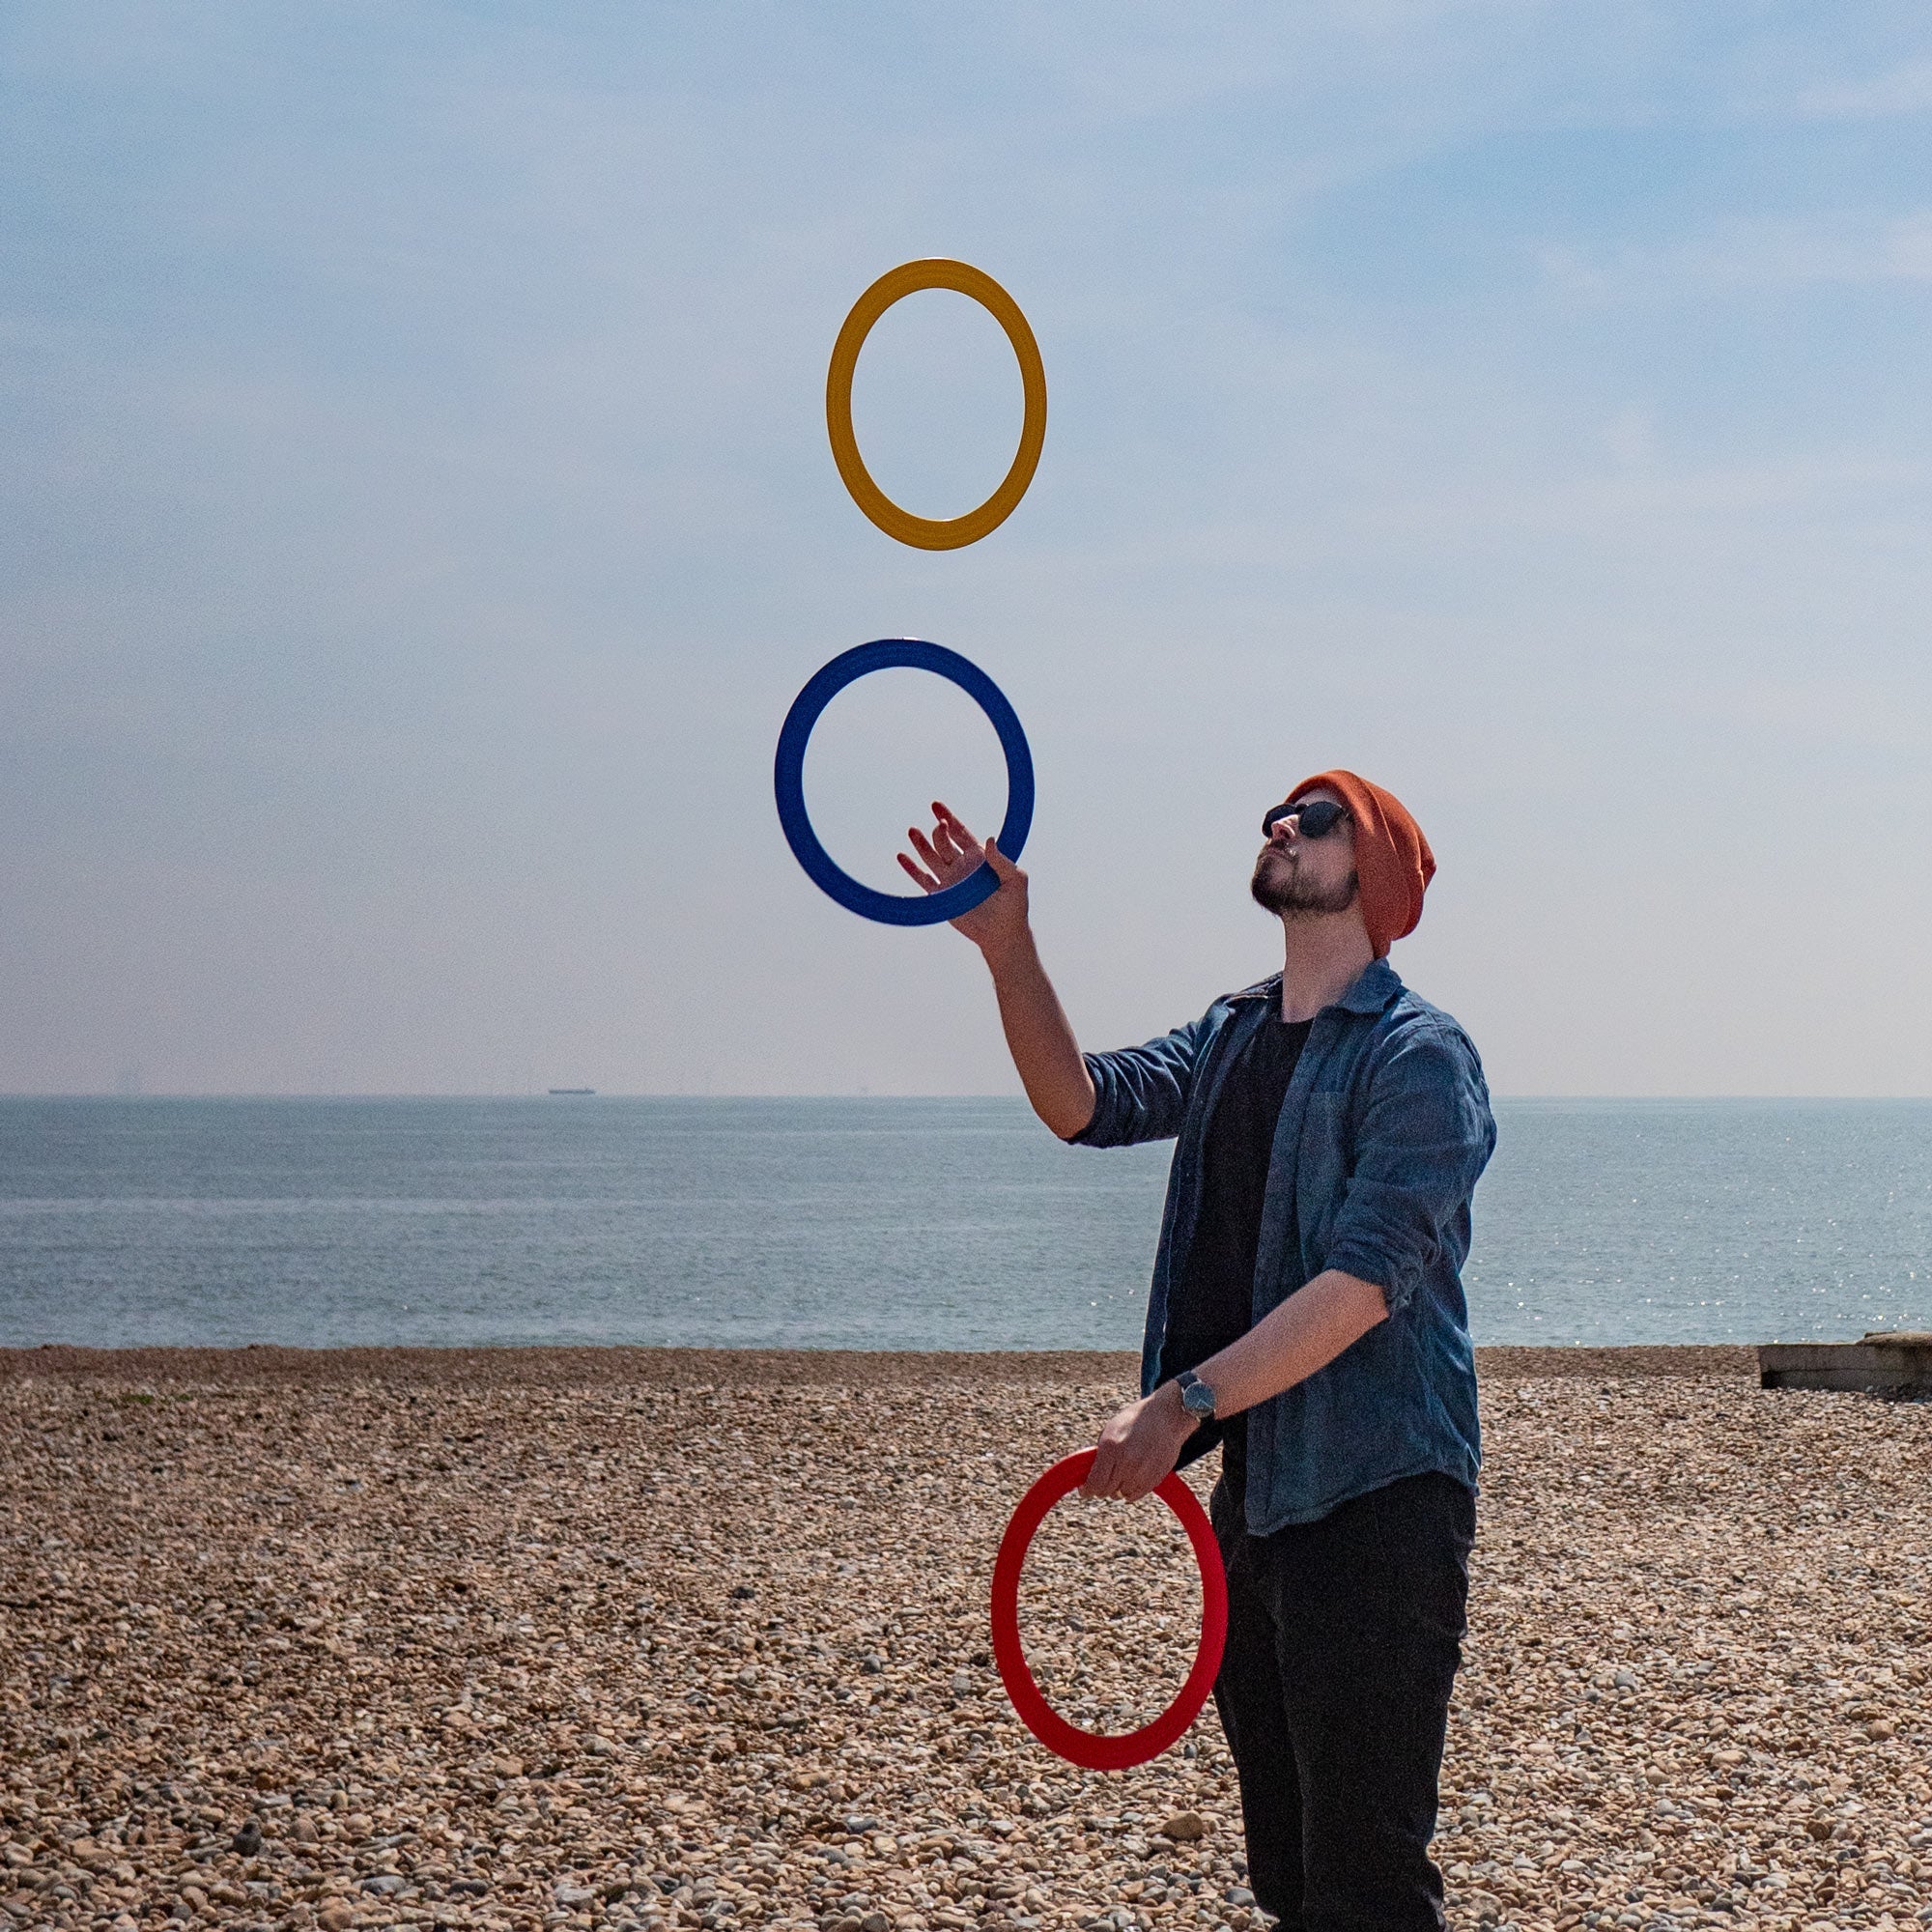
pixel 1380 1140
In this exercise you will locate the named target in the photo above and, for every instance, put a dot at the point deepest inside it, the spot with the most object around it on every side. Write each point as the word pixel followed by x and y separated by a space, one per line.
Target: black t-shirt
pixel 1215 1304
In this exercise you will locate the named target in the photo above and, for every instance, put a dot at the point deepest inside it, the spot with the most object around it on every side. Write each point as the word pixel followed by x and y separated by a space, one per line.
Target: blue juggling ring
pixel 910 654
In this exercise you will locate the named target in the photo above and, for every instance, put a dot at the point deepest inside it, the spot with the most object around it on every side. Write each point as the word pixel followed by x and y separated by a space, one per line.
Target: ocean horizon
pixel 882 1222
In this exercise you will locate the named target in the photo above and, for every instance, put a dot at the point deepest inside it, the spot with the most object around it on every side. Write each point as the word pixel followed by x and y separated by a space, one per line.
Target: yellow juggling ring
pixel 934 533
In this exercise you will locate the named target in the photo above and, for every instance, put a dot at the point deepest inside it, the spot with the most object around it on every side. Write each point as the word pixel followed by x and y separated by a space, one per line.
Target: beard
pixel 1277 887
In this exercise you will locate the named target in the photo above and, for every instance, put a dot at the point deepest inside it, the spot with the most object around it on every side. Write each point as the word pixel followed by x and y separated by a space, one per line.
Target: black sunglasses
pixel 1316 818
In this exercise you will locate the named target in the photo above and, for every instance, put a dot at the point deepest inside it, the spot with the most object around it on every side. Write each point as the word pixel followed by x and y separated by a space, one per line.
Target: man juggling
pixel 1306 1313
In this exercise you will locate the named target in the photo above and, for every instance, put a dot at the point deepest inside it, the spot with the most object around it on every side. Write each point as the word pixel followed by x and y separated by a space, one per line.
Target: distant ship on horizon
pixel 573 1089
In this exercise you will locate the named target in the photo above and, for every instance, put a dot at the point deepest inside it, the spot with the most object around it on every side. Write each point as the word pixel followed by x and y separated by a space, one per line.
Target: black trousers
pixel 1344 1638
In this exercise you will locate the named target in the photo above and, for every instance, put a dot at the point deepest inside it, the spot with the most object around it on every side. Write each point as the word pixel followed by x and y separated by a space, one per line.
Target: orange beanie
pixel 1393 861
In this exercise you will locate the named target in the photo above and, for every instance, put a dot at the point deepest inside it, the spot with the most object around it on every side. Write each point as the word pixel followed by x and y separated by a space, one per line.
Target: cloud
pixel 1852 249
pixel 1900 91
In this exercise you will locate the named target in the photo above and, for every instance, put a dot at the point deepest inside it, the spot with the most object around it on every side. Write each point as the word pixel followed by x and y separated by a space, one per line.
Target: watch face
pixel 1198 1398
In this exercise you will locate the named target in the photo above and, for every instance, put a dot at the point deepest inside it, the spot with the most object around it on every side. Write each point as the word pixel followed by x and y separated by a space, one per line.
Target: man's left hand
pixel 1139 1446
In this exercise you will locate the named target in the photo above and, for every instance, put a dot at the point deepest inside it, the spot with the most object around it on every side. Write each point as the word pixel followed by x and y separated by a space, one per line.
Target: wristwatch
pixel 1196 1397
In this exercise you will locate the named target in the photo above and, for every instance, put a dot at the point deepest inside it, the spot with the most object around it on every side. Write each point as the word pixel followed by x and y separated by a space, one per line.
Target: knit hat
pixel 1393 862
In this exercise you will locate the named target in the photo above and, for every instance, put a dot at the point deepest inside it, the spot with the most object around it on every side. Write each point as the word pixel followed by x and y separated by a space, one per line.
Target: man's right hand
pixel 951 854
pixel 1042 1042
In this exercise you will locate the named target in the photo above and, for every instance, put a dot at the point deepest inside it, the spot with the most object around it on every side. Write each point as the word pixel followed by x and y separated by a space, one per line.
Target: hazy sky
pixel 415 518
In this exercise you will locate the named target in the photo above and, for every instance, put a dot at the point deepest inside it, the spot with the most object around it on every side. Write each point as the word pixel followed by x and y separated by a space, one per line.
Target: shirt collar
pixel 1372 991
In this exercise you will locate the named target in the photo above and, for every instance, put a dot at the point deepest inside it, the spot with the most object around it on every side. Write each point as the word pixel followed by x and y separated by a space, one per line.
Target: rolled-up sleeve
pixel 1424 1137
pixel 1140 1092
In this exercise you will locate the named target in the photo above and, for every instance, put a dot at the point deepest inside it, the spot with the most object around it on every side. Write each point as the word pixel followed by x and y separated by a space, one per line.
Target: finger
pixel 961 840
pixel 1004 868
pixel 918 875
pixel 922 846
pixel 1100 1476
pixel 1120 1473
pixel 949 818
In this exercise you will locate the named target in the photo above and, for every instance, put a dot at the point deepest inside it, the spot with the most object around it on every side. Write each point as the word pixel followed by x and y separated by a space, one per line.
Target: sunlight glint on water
pixel 888 1224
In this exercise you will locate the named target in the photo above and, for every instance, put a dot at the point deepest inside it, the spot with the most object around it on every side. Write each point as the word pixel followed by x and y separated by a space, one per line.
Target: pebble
pixel 520 1639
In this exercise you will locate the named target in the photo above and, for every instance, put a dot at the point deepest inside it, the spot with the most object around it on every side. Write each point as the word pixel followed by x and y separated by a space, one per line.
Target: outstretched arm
pixel 1039 1039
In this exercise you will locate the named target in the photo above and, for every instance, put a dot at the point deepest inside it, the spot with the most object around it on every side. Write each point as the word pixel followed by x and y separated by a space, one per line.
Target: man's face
pixel 1304 878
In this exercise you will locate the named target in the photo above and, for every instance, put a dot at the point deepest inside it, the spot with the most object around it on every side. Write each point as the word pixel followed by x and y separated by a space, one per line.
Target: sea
pixel 872 1223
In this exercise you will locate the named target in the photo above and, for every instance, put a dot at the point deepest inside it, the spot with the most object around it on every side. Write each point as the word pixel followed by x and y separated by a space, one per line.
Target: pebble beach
pixel 693 1641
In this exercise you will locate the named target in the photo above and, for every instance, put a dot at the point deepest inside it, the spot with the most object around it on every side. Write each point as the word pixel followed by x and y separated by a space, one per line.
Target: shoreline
pixel 758 1368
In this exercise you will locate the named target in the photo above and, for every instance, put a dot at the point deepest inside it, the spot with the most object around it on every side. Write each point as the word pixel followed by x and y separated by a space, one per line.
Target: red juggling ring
pixel 1091 1750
